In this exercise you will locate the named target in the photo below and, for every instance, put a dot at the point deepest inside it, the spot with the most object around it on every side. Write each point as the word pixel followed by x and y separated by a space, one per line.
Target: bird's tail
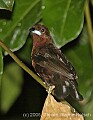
pixel 65 88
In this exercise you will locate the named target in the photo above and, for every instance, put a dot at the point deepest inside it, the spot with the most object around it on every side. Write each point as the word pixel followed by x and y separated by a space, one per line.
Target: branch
pixel 21 64
pixel 89 24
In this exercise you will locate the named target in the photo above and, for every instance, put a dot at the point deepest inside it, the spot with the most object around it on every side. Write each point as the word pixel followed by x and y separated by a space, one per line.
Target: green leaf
pixel 25 53
pixel 88 110
pixel 80 56
pixel 11 86
pixel 92 2
pixel 15 30
pixel 6 4
pixel 1 62
pixel 64 18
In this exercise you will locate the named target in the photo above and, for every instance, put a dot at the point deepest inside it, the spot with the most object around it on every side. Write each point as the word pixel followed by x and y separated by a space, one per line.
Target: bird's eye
pixel 42 30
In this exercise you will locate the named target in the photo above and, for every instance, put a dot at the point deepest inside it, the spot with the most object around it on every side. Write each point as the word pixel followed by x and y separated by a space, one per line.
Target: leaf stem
pixel 89 24
pixel 21 64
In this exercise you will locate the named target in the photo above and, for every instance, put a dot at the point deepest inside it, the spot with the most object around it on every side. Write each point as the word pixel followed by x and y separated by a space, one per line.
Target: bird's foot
pixel 49 90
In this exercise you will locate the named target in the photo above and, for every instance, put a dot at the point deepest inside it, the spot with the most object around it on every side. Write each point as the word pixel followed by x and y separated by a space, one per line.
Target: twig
pixel 89 24
pixel 21 64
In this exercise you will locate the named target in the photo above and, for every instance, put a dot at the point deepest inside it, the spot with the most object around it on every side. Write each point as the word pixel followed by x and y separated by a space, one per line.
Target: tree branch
pixel 89 24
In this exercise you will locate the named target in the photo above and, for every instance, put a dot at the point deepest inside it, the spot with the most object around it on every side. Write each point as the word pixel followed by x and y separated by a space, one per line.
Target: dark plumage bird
pixel 52 66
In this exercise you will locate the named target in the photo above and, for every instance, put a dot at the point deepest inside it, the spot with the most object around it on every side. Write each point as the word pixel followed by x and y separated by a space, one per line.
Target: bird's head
pixel 40 35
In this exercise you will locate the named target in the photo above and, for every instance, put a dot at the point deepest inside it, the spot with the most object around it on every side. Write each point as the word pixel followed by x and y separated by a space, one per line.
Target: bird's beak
pixel 37 32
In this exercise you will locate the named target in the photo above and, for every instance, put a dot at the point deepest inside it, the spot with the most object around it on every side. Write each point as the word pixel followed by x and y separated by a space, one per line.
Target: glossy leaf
pixel 64 18
pixel 6 4
pixel 15 29
pixel 11 86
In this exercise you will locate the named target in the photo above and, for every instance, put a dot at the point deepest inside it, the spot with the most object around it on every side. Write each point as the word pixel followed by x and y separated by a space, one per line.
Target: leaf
pixel 14 30
pixel 88 110
pixel 11 86
pixel 6 4
pixel 54 110
pixel 64 18
pixel 25 53
pixel 92 2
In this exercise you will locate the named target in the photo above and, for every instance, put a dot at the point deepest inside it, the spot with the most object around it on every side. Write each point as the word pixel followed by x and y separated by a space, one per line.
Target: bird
pixel 52 66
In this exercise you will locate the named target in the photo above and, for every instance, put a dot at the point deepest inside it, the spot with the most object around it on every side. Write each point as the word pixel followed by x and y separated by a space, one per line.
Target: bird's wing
pixel 51 58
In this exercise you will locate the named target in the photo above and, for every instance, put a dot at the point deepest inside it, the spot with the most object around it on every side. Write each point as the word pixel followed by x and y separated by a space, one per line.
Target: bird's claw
pixel 49 90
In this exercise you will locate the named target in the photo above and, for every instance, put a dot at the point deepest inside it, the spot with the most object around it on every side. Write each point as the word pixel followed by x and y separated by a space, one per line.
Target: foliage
pixel 65 20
